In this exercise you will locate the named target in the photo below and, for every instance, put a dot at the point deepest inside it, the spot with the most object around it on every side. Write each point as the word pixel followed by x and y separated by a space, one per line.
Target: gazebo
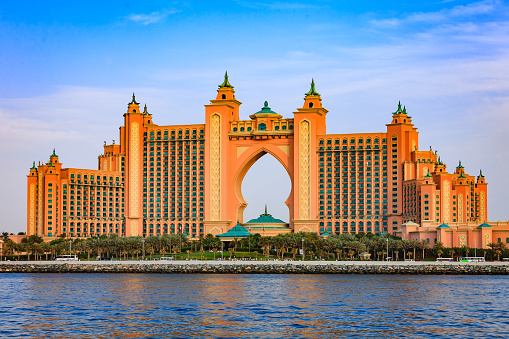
pixel 237 232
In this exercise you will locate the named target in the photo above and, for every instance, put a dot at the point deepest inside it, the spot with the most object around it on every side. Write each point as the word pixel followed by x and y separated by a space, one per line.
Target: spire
pixel 312 91
pixel 33 167
pixel 398 111
pixel 428 175
pixel 404 109
pixel 134 101
pixel 460 166
pixel 145 110
pixel 480 173
pixel 265 208
pixel 54 154
pixel 225 83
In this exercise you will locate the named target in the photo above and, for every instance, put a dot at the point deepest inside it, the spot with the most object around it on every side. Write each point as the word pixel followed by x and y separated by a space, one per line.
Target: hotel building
pixel 187 178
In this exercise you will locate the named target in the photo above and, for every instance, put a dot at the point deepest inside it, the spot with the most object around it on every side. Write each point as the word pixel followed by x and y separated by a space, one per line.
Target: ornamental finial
pixel 312 91
pixel 134 101
pixel 226 83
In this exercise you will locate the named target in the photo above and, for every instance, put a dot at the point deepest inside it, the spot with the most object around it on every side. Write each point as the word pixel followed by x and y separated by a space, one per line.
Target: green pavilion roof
pixel 484 225
pixel 236 232
pixel 266 218
pixel 443 226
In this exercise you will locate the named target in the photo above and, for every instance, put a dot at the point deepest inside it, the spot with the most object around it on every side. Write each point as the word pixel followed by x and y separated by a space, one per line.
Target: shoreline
pixel 259 267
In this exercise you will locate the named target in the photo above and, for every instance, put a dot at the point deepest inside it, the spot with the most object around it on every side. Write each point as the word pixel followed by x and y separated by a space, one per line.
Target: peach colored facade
pixel 473 235
pixel 187 178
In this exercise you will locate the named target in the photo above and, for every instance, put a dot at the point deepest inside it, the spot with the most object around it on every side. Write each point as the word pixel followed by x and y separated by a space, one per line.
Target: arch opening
pixel 265 182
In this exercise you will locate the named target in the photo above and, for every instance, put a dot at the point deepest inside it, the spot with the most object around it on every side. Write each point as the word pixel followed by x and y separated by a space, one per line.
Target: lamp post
pixel 180 236
pixel 475 247
pixel 222 252
pixel 302 249
pixel 70 242
pixel 142 249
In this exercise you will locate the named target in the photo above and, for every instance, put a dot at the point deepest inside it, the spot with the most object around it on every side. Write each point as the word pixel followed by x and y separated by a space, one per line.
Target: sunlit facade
pixel 187 178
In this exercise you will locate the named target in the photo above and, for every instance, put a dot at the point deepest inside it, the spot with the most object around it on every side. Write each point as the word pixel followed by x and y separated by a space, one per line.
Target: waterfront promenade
pixel 261 267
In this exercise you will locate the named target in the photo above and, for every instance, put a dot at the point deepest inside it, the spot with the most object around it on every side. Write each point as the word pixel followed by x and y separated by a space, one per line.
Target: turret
pixel 33 171
pixel 480 178
pixel 440 167
pixel 133 106
pixel 401 116
pixel 312 98
pixel 225 90
pixel 226 97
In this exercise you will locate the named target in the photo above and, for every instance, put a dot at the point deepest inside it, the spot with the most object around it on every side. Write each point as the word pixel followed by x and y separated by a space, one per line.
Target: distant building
pixel 187 178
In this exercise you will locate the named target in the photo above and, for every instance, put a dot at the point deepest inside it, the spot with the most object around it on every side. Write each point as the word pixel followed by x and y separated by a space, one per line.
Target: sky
pixel 68 69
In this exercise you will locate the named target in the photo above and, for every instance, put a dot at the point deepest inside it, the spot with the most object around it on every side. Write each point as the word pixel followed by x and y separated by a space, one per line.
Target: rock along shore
pixel 246 267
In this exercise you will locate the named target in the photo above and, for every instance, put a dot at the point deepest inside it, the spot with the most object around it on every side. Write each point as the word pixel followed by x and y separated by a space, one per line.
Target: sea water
pixel 253 306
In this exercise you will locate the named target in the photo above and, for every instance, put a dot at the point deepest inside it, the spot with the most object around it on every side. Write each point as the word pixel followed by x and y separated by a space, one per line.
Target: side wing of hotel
pixel 187 179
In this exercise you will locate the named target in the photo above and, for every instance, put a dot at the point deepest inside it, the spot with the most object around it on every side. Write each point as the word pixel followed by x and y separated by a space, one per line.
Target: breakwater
pixel 259 268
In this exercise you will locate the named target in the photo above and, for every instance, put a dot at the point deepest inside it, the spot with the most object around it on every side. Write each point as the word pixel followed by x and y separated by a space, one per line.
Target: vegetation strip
pixel 289 246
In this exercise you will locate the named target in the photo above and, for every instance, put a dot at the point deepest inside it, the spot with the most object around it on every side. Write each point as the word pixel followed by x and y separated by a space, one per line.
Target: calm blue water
pixel 256 306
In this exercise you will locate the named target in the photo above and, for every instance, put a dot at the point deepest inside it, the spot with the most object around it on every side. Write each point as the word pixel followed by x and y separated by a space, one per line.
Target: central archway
pixel 266 183
pixel 250 159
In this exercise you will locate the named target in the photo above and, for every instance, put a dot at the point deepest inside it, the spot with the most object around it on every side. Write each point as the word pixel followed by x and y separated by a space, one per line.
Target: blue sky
pixel 67 70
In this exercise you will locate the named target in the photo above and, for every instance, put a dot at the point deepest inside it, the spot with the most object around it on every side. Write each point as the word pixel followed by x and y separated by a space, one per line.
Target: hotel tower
pixel 187 178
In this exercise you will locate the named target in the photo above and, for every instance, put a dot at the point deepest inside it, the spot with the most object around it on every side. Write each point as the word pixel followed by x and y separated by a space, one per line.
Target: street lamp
pixel 180 236
pixel 302 249
pixel 475 247
pixel 143 249
pixel 70 242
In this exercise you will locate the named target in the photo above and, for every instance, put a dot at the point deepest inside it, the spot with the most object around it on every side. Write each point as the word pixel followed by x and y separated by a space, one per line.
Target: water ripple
pixel 254 306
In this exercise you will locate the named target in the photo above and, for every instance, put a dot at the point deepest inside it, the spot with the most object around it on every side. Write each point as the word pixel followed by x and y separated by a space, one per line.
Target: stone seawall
pixel 258 268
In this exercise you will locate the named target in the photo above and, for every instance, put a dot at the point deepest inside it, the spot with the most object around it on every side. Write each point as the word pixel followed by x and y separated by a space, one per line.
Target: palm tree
pixel 151 251
pixel 351 253
pixel 498 252
pixel 137 251
pixel 439 248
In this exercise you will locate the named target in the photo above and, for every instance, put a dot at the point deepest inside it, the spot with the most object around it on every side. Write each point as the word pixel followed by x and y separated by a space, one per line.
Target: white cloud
pixel 473 9
pixel 152 18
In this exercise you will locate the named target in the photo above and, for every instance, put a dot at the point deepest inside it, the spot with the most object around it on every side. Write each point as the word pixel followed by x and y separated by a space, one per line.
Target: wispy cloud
pixel 277 5
pixel 152 18
pixel 473 9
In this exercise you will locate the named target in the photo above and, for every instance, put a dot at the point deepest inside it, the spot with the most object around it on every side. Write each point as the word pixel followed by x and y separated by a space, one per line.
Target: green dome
pixel 265 218
pixel 266 109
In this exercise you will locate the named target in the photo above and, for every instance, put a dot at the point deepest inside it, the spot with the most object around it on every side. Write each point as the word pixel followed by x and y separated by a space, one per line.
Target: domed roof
pixel 265 219
pixel 265 112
